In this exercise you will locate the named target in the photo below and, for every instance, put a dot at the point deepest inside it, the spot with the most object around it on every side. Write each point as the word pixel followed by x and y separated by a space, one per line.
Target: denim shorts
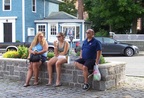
pixel 43 59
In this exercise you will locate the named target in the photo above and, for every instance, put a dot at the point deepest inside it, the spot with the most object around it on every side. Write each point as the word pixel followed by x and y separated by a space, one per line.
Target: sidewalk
pixel 141 53
pixel 133 88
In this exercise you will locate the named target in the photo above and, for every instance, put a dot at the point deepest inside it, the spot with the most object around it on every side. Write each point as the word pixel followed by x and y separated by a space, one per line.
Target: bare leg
pixel 36 66
pixel 29 74
pixel 84 69
pixel 49 68
pixel 78 65
pixel 58 69
pixel 85 74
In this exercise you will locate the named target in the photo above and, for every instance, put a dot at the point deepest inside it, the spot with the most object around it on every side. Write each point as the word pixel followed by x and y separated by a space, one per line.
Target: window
pixel 7 5
pixel 71 30
pixel 100 39
pixel 34 5
pixel 53 29
pixel 42 28
pixel 108 40
pixel 77 32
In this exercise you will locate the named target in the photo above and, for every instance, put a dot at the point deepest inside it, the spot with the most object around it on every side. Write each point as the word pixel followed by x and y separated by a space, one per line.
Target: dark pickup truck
pixel 5 46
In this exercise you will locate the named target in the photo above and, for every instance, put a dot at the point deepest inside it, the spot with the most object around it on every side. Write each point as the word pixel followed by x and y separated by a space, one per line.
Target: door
pixel 7 32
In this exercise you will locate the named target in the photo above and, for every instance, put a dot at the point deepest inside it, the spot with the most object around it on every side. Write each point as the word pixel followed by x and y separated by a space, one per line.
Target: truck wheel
pixel 11 49
pixel 51 50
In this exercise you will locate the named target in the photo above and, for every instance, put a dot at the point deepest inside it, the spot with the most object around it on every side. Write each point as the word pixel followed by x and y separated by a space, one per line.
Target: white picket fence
pixel 129 37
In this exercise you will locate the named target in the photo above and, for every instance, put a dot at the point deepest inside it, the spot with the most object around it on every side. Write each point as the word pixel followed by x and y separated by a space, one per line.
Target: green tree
pixel 68 6
pixel 117 15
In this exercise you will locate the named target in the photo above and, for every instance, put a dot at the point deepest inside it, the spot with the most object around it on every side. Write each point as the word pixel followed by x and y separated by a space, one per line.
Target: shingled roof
pixel 60 15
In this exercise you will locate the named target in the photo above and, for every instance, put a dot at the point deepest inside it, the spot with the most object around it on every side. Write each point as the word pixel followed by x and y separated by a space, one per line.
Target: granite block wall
pixel 112 73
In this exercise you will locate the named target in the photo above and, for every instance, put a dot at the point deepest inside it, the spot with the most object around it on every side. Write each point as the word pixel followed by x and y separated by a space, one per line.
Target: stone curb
pixel 141 53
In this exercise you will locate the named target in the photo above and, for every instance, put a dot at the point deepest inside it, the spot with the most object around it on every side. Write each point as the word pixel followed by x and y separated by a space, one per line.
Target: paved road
pixel 134 66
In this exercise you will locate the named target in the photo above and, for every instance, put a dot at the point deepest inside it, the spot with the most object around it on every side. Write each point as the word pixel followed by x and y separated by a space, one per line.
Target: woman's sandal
pixel 58 85
pixel 26 85
pixel 36 83
pixel 48 84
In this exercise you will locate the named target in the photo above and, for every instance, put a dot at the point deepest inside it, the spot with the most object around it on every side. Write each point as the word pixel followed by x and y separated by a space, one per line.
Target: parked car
pixel 5 46
pixel 111 46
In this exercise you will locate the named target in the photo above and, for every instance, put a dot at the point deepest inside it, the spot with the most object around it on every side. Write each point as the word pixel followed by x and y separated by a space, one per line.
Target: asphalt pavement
pixel 134 64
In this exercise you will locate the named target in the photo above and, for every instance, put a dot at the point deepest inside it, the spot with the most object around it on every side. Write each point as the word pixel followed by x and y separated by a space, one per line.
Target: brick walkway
pixel 132 88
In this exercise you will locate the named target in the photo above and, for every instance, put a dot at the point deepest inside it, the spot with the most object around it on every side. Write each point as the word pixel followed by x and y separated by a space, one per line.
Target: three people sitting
pixel 89 56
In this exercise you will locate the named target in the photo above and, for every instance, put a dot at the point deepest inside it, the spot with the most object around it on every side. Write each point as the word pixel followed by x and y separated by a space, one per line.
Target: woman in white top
pixel 61 51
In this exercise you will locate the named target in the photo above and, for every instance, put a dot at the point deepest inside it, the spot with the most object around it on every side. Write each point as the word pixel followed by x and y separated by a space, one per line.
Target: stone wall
pixel 112 73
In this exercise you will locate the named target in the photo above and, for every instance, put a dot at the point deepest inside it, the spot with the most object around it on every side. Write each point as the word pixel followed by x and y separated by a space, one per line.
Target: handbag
pixel 96 73
pixel 35 58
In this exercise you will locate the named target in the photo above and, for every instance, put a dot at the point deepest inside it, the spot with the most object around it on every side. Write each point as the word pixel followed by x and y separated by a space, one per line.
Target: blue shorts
pixel 88 63
pixel 43 59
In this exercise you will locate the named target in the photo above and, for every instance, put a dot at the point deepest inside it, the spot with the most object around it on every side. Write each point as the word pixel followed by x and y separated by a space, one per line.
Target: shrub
pixel 50 55
pixel 102 60
pixel 102 33
pixel 11 54
pixel 17 41
pixel 23 52
pixel 78 53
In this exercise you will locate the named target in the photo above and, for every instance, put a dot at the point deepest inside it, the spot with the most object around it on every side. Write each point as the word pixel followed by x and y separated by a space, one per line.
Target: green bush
pixel 17 41
pixel 78 53
pixel 11 54
pixel 102 33
pixel 23 52
pixel 102 60
pixel 50 55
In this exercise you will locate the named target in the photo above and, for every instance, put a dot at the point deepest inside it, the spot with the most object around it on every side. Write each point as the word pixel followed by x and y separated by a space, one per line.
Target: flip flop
pixel 48 84
pixel 58 85
pixel 36 83
pixel 26 85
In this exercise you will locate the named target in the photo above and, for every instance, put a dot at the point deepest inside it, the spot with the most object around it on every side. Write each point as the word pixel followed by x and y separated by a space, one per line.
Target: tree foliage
pixel 68 6
pixel 117 15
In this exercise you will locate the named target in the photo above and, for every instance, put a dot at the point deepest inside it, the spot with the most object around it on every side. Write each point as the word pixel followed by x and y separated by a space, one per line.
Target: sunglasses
pixel 40 36
pixel 87 32
pixel 58 36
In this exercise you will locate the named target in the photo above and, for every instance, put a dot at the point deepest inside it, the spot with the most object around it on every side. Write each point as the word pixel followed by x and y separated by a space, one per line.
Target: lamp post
pixel 71 36
pixel 71 39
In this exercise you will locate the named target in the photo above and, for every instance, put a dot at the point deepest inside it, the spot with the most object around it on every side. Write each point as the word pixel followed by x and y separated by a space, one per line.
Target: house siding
pixel 53 7
pixel 30 16
pixel 39 14
pixel 16 11
pixel 24 17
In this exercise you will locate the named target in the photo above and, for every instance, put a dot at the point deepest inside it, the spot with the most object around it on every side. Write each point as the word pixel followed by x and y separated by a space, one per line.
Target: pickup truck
pixel 5 46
